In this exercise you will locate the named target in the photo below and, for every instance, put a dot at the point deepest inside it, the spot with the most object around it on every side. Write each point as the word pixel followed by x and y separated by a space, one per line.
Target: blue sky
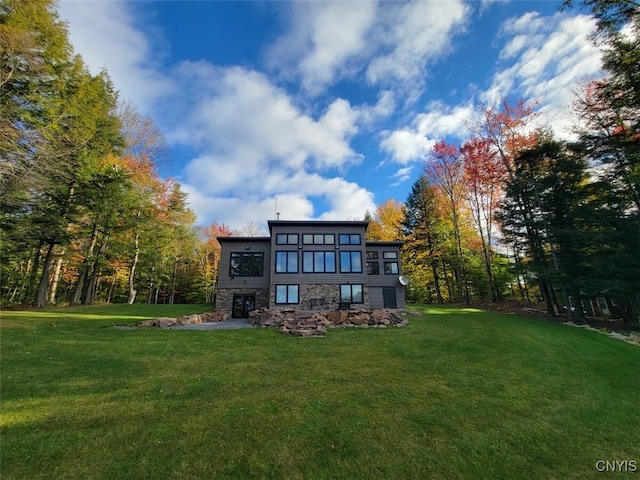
pixel 328 107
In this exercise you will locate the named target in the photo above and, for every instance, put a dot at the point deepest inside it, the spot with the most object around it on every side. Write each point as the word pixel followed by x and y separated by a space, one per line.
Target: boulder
pixel 189 319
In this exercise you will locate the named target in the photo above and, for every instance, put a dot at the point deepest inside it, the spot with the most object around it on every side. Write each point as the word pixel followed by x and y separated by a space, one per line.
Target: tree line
pixel 515 212
pixel 85 216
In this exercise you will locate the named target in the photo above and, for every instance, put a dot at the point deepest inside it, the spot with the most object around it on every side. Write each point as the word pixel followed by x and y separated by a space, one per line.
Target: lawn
pixel 459 393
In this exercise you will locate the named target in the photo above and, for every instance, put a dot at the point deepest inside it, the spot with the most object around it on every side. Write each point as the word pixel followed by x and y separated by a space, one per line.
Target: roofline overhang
pixel 322 223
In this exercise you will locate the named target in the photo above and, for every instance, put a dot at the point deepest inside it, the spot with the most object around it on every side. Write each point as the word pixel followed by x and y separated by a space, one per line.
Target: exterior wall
pixel 324 286
pixel 318 285
pixel 376 297
pixel 228 286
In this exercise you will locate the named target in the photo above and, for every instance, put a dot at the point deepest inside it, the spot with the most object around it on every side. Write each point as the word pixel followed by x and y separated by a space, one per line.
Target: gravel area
pixel 226 325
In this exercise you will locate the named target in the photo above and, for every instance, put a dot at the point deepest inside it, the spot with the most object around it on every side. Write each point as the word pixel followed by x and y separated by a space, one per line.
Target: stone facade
pixel 330 293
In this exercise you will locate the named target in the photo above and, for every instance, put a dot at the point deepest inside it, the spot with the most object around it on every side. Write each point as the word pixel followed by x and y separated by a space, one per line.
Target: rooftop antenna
pixel 276 209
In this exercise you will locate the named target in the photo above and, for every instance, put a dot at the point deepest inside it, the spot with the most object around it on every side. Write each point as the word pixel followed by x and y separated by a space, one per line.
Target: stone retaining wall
pixel 306 324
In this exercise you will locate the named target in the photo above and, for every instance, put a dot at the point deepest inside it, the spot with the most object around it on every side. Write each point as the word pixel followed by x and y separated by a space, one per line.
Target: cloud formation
pixel 286 129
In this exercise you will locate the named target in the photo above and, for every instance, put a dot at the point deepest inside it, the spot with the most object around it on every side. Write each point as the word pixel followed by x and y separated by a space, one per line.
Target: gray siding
pixel 240 245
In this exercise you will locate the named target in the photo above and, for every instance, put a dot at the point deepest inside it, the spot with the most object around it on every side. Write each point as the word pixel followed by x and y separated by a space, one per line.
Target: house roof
pixel 243 239
pixel 320 223
pixel 375 243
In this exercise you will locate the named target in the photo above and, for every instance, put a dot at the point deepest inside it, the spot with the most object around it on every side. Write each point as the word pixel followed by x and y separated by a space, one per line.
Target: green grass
pixel 459 393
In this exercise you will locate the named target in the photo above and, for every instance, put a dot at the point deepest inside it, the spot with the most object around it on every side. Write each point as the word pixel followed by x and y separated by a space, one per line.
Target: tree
pixel 610 109
pixel 209 257
pixel 424 238
pixel 445 171
pixel 484 175
pixel 386 225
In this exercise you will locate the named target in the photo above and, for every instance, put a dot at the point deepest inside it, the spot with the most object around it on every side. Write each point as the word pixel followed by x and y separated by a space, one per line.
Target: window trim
pixel 397 272
pixel 313 261
pixel 377 268
pixel 288 241
pixel 351 239
pixel 350 287
pixel 243 255
pixel 287 253
pixel 350 253
pixel 287 294
pixel 330 241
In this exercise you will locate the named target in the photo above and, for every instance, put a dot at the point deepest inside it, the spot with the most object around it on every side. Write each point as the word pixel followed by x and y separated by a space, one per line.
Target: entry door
pixel 242 305
pixel 389 297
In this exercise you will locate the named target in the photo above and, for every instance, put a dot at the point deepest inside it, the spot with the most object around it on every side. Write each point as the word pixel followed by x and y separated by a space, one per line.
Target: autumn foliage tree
pixel 445 170
pixel 484 177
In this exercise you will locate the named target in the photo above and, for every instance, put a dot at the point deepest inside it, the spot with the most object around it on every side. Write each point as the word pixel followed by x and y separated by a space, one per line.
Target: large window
pixel 319 262
pixel 287 239
pixel 318 238
pixel 287 262
pixel 246 264
pixel 351 293
pixel 349 239
pixel 287 294
pixel 351 262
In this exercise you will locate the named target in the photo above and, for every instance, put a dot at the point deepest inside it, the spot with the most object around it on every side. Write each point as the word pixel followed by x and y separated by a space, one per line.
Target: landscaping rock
pixel 189 319
pixel 306 324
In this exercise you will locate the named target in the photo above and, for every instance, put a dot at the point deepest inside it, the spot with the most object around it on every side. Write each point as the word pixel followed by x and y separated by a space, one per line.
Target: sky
pixel 324 109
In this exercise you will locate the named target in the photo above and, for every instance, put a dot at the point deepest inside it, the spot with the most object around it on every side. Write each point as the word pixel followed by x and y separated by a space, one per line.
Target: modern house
pixel 309 265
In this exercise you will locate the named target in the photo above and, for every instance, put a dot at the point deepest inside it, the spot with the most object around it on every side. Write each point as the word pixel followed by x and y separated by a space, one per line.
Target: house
pixel 309 265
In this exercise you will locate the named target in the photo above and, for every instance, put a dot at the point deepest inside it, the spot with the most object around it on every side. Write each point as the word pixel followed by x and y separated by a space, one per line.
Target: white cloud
pixel 395 41
pixel 413 143
pixel 324 37
pixel 549 57
pixel 412 34
pixel 406 145
pixel 104 33
pixel 248 126
pixel 402 175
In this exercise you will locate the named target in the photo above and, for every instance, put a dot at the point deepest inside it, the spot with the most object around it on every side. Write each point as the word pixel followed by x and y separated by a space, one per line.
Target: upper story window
pixel 246 264
pixel 318 238
pixel 287 239
pixel 372 255
pixel 319 262
pixel 373 268
pixel 391 268
pixel 349 239
pixel 287 262
pixel 387 255
pixel 351 262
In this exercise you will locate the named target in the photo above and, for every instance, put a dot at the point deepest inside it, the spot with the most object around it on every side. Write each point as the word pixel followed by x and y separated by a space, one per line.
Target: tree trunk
pixel 436 281
pixel 89 294
pixel 174 274
pixel 56 279
pixel 132 271
pixel 43 287
pixel 76 297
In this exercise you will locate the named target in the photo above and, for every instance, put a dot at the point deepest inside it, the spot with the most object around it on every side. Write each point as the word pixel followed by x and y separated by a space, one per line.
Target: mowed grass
pixel 459 393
